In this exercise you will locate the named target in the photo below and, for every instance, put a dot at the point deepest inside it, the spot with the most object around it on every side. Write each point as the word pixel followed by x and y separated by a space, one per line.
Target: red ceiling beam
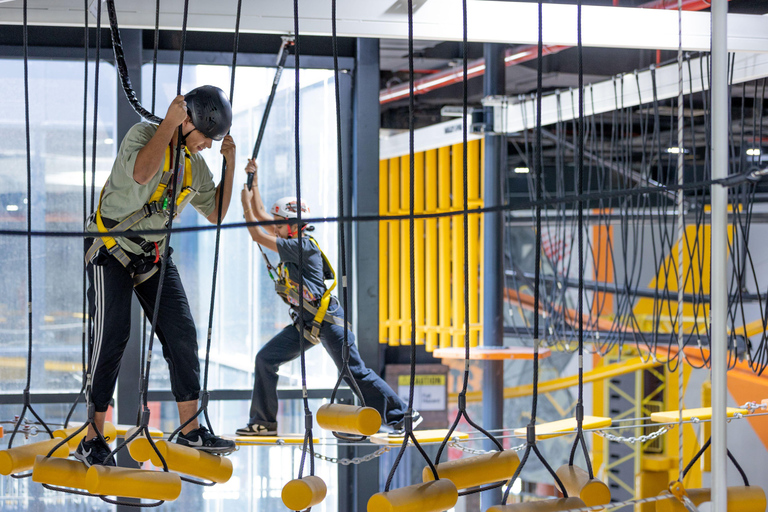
pixel 441 78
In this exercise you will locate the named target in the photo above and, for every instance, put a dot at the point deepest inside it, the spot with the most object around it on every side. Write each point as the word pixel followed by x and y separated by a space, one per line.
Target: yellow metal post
pixel 418 241
pixel 394 253
pixel 383 263
pixel 405 251
pixel 457 242
pixel 432 254
pixel 444 244
pixel 480 242
pixel 473 191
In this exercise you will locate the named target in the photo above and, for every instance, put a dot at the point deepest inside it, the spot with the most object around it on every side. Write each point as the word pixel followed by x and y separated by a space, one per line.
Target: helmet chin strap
pixel 184 136
pixel 291 232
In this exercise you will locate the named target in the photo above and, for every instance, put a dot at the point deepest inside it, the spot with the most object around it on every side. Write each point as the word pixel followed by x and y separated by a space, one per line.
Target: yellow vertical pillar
pixel 444 244
pixel 457 242
pixel 418 236
pixel 405 251
pixel 473 191
pixel 383 260
pixel 480 243
pixel 432 253
pixel 394 252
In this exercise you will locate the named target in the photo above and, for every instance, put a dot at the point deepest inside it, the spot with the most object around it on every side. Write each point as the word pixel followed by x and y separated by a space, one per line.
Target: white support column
pixel 718 281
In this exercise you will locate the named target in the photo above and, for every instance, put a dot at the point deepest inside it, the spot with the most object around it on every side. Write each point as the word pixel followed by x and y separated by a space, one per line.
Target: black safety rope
pixel 30 326
pixel 530 442
pixel 462 399
pixel 580 187
pixel 408 418
pixel 281 57
pixel 122 67
pixel 345 348
pixel 205 394
pixel 84 305
pixel 308 444
pixel 703 449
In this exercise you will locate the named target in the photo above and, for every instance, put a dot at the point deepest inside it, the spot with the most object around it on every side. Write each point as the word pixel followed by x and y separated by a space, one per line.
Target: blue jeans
pixel 284 347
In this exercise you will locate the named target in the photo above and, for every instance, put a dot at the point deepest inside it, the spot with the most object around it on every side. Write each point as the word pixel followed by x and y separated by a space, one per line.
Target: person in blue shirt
pixel 284 346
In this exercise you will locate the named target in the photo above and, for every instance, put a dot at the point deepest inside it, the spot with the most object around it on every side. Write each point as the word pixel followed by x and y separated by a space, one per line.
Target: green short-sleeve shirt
pixel 122 195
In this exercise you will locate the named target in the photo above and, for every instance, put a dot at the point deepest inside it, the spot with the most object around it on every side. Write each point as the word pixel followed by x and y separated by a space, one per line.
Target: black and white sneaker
pixel 398 428
pixel 202 439
pixel 94 453
pixel 255 429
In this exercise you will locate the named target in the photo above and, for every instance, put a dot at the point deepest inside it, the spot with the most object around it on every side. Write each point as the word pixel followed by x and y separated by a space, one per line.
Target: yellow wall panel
pixel 383 262
pixel 394 253
pixel 418 245
pixel 432 254
pixel 444 245
pixel 405 251
pixel 457 243
pixel 438 247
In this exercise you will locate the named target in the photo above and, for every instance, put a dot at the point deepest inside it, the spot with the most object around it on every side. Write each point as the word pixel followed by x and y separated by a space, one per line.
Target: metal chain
pixel 632 440
pixel 357 460
pixel 614 505
pixel 460 446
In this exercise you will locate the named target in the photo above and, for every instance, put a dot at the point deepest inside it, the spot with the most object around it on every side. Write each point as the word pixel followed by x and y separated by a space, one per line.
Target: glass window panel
pixel 56 162
pixel 248 312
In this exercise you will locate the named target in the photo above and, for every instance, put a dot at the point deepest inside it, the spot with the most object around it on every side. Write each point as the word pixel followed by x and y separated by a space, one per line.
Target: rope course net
pixel 610 196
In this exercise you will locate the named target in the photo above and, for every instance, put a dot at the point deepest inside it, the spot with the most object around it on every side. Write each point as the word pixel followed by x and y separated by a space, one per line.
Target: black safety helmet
pixel 210 111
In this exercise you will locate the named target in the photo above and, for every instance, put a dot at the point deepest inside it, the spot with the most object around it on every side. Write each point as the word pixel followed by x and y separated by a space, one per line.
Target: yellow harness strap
pixel 325 301
pixel 286 289
pixel 153 206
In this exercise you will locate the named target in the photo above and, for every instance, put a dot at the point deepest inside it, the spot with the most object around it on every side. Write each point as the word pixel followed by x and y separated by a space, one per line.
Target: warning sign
pixel 429 392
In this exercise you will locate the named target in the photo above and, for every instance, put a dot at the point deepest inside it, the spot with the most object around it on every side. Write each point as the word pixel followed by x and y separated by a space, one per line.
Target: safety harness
pixel 157 204
pixel 288 289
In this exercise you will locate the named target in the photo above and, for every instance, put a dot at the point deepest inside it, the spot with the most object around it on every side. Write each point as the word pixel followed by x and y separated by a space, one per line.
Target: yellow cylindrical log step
pixel 350 419
pixel 476 471
pixel 435 496
pixel 183 459
pixel 552 505
pixel 302 493
pixel 21 458
pixel 133 483
pixel 578 484
pixel 59 472
pixel 740 498
pixel 110 434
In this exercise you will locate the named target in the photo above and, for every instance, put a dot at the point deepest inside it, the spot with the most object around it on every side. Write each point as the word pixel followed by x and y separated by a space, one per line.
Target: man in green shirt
pixel 137 196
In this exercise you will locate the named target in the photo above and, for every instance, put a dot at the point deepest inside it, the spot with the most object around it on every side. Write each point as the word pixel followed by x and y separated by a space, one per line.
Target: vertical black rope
pixel 342 239
pixel 462 411
pixel 84 305
pixel 142 363
pixel 308 445
pixel 97 62
pixel 172 214
pixel 27 405
pixel 205 394
pixel 580 188
pixel 530 444
pixel 154 52
pixel 411 220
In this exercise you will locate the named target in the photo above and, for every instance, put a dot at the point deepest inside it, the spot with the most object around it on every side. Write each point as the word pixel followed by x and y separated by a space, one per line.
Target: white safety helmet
pixel 286 207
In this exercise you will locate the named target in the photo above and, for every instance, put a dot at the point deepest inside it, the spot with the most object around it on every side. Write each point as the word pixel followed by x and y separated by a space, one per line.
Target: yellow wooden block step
pixel 422 436
pixel 702 413
pixel 563 427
